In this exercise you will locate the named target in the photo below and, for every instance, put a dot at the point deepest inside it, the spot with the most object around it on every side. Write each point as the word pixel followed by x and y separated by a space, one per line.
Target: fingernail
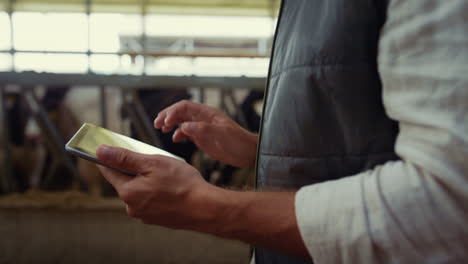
pixel 188 127
pixel 105 152
pixel 156 121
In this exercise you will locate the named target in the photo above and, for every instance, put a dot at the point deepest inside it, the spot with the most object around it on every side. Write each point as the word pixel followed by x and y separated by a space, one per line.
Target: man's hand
pixel 164 192
pixel 171 193
pixel 211 130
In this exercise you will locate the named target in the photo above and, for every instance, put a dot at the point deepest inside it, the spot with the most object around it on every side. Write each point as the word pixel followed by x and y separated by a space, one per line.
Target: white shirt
pixel 414 210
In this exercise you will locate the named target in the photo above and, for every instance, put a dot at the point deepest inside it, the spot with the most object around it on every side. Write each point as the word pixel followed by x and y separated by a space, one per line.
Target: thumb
pixel 196 130
pixel 122 159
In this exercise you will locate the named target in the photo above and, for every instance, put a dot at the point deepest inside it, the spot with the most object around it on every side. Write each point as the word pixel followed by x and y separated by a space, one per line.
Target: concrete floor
pixel 64 228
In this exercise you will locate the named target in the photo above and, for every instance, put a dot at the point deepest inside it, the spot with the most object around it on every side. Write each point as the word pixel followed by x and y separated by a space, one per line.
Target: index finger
pixel 180 112
pixel 114 177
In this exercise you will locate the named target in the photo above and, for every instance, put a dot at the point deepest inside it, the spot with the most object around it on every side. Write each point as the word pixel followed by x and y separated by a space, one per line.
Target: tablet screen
pixel 90 137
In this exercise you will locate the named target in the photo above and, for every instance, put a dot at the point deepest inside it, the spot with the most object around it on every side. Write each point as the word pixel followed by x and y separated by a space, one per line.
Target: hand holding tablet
pixel 89 137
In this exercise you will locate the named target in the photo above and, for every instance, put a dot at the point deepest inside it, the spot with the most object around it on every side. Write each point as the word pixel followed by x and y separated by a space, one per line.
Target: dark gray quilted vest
pixel 323 116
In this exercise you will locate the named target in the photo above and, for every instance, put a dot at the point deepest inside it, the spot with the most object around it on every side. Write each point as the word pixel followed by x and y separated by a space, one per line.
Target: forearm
pixel 263 219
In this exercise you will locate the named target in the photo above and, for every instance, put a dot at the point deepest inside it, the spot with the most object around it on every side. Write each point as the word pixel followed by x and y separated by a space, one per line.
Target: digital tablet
pixel 89 137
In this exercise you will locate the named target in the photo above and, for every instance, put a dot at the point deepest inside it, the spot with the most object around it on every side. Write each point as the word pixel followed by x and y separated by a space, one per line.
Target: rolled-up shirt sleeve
pixel 414 210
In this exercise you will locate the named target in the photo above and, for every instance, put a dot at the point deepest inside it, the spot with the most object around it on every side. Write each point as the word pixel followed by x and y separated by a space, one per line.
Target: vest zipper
pixel 267 86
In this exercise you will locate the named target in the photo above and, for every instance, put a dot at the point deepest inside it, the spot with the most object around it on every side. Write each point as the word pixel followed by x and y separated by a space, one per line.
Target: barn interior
pixel 116 64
